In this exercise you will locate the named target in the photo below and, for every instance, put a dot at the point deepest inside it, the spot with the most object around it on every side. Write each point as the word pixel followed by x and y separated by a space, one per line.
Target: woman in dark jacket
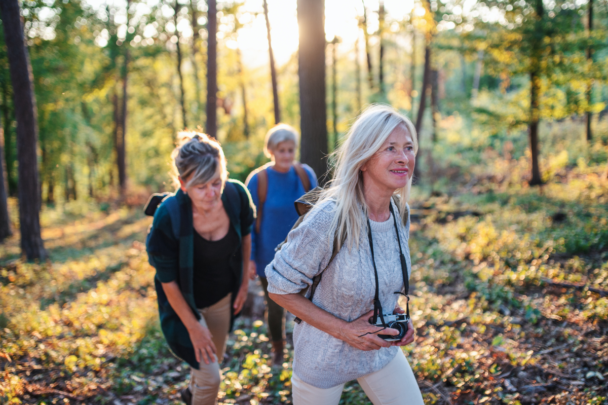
pixel 199 243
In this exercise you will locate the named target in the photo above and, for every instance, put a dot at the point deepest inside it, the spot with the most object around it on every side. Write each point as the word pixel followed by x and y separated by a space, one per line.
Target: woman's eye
pixel 390 148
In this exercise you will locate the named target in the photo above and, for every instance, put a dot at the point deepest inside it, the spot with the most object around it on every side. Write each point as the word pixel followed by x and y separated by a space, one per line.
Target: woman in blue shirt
pixel 274 187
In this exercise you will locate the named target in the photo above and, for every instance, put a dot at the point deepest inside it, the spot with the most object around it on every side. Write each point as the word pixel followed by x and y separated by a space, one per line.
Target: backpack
pixel 263 188
pixel 172 205
pixel 303 206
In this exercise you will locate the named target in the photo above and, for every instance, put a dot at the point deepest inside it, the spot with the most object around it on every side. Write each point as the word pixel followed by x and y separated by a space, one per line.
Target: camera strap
pixel 378 313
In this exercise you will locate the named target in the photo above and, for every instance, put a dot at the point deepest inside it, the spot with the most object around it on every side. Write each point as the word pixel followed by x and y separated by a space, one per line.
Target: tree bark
pixel 27 131
pixel 179 68
pixel 535 95
pixel 5 223
pixel 381 18
pixel 273 70
pixel 195 37
pixel 368 53
pixel 533 127
pixel 589 114
pixel 311 61
pixel 334 90
pixel 8 145
pixel 121 145
pixel 211 125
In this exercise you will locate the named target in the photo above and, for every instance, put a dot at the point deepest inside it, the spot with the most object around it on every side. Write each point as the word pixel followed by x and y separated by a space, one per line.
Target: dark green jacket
pixel 173 259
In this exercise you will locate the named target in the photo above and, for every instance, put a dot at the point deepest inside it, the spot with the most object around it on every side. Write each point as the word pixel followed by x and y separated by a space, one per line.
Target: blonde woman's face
pixel 284 154
pixel 204 196
pixel 392 165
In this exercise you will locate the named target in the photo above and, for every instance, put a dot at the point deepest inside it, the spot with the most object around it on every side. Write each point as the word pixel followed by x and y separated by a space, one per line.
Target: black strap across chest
pixel 406 283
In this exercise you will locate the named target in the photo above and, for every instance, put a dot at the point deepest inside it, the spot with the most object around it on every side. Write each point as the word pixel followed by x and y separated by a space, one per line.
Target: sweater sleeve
pixel 305 254
pixel 247 209
pixel 252 186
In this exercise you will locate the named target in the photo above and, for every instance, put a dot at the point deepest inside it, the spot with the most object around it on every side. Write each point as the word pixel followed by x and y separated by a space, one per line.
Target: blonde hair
pixel 199 156
pixel 277 134
pixel 366 136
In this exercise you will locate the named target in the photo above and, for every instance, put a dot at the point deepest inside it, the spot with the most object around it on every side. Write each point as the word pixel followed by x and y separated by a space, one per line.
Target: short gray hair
pixel 199 156
pixel 277 134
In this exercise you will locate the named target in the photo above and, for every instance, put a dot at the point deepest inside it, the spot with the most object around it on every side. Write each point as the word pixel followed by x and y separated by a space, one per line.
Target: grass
pixel 507 304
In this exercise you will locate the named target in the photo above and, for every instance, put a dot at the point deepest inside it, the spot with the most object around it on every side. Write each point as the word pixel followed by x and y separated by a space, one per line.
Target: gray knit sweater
pixel 346 291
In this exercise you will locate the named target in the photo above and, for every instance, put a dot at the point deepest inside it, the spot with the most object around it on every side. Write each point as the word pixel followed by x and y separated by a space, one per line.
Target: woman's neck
pixel 205 211
pixel 378 202
pixel 280 169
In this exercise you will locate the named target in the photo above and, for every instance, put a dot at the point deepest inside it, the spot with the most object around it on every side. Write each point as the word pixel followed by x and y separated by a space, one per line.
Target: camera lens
pixel 399 326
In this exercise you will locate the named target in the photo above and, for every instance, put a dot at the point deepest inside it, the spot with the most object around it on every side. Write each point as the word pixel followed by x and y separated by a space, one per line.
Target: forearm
pixel 310 313
pixel 179 305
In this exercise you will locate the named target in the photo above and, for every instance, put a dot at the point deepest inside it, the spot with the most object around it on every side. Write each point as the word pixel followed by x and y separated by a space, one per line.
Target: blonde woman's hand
pixel 362 335
pixel 204 349
pixel 410 335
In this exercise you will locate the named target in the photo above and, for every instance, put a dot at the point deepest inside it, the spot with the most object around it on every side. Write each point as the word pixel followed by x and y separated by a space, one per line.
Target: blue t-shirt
pixel 278 214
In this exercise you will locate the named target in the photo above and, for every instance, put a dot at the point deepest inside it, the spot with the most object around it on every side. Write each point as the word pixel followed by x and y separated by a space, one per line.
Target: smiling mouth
pixel 400 171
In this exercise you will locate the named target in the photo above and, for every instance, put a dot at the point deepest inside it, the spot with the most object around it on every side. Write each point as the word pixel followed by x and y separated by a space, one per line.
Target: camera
pixel 393 321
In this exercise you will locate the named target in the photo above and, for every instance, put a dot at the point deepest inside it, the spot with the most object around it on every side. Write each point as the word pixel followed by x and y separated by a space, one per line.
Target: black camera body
pixel 399 322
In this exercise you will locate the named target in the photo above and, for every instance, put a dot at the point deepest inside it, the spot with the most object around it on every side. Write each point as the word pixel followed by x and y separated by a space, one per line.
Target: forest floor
pixel 509 301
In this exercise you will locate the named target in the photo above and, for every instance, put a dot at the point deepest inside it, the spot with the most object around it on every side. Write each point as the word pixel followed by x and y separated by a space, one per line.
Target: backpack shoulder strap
pixel 262 193
pixel 173 208
pixel 302 175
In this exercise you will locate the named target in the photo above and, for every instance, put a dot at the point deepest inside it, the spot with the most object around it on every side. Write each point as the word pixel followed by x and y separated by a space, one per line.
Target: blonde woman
pixel 336 342
pixel 199 243
pixel 274 187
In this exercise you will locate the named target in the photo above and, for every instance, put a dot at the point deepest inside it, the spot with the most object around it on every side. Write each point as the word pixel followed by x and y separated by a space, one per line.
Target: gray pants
pixel 275 315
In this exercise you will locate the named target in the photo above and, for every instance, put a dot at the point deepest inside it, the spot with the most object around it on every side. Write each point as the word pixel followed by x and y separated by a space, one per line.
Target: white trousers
pixel 395 384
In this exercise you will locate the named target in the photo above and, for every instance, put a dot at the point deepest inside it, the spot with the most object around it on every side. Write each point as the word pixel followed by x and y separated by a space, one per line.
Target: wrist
pixel 193 326
pixel 341 329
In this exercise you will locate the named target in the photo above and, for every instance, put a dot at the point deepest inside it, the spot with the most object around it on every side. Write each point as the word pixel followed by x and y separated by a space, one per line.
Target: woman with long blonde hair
pixel 356 238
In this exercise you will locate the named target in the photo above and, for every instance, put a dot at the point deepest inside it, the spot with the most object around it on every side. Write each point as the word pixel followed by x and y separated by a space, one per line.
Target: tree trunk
pixel 334 90
pixel 5 223
pixel 239 61
pixel 535 94
pixel 477 78
pixel 463 79
pixel 413 68
pixel 358 76
pixel 197 82
pixel 311 61
pixel 122 134
pixel 50 190
pixel 179 68
pixel 589 114
pixel 211 125
pixel 426 79
pixel 533 127
pixel 6 126
pixel 368 53
pixel 273 70
pixel 434 101
pixel 27 131
pixel 381 18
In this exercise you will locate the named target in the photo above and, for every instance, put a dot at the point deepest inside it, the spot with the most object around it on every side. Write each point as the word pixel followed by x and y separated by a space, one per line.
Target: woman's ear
pixel 182 185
